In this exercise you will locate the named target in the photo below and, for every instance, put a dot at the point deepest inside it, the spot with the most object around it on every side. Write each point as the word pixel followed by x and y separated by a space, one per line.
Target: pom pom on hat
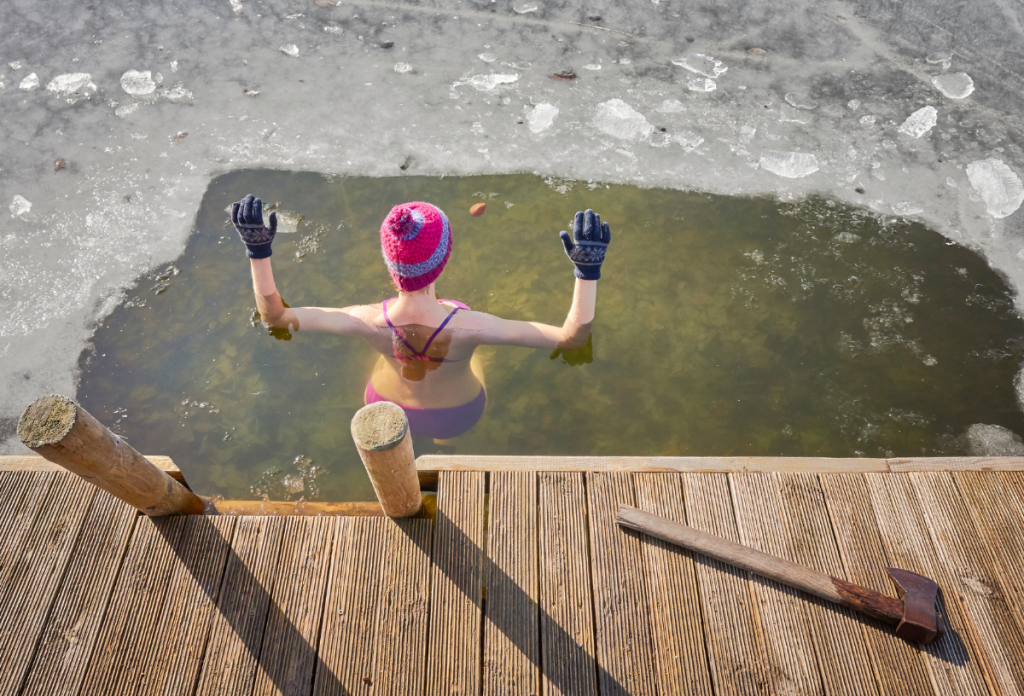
pixel 416 241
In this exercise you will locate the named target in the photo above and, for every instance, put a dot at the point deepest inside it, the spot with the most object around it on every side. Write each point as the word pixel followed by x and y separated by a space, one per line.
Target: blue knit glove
pixel 247 217
pixel 588 244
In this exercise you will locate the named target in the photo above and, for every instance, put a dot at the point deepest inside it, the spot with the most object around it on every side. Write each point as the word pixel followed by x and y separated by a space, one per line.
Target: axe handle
pixel 788 573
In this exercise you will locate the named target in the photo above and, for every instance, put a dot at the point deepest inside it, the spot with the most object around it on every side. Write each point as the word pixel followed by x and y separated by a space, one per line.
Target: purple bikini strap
pixel 423 353
pixel 434 335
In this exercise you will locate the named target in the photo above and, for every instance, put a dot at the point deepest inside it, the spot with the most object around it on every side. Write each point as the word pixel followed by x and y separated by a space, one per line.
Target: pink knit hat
pixel 416 241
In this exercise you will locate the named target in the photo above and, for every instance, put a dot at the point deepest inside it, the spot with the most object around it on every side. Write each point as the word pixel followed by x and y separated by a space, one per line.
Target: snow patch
pixel 792 165
pixel 920 122
pixel 997 185
pixel 620 120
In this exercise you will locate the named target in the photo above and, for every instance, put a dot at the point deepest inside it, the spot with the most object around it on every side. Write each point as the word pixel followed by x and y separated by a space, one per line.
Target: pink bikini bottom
pixel 438 423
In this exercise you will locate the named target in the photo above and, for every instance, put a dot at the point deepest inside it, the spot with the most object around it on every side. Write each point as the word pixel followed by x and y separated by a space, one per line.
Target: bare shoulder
pixel 475 321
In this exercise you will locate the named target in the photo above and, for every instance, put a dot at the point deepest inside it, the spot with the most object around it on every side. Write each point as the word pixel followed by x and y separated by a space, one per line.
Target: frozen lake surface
pixel 118 115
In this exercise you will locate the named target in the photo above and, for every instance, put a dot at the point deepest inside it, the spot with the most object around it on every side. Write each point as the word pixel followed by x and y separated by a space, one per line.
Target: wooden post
pixel 381 434
pixel 66 434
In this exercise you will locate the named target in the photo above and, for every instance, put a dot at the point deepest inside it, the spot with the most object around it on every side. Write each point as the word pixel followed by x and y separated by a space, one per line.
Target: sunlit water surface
pixel 725 326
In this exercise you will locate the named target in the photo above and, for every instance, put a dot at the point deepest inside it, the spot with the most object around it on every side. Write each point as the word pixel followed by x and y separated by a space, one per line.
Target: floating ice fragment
pixel 19 206
pixel 624 61
pixel 867 120
pixel 542 116
pixel 126 110
pixel 688 141
pixel 618 119
pixel 998 185
pixel 792 165
pixel 853 104
pixel 236 6
pixel 138 83
pixel 701 64
pixel 670 106
pixel 954 85
pixel 800 101
pixel 16 65
pixel 984 440
pixel 402 68
pixel 290 50
pixel 920 122
pixel 943 57
pixel 332 29
pixel 487 83
pixel 30 83
pixel 487 57
pixel 524 7
pixel 72 86
pixel 847 238
pixel 174 66
pixel 592 66
pixel 906 208
pixel 788 114
pixel 701 84
pixel 287 221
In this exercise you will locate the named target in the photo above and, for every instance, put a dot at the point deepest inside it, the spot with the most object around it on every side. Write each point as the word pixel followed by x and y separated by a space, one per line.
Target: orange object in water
pixel 478 209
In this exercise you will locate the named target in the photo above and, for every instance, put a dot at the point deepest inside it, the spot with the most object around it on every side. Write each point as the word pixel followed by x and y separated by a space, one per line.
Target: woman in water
pixel 426 344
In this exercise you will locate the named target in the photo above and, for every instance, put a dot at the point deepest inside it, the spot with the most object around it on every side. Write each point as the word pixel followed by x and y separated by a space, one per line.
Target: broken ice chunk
pixel 126 110
pixel 332 29
pixel 19 206
pixel 792 165
pixel 287 221
pixel 920 122
pixel 998 185
pixel 542 116
pixel 30 83
pixel 906 208
pixel 487 83
pixel 487 57
pixel 402 68
pixel 940 57
pixel 800 101
pixel 236 6
pixel 788 114
pixel 867 120
pixel 954 85
pixel 525 7
pixel 290 50
pixel 670 106
pixel 138 83
pixel 701 64
pixel 618 119
pixel 701 84
pixel 16 65
pixel 853 104
pixel 72 86
pixel 689 141
pixel 592 66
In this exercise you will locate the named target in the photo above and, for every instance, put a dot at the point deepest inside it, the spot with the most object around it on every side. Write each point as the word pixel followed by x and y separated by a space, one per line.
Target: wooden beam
pixel 284 508
pixel 36 463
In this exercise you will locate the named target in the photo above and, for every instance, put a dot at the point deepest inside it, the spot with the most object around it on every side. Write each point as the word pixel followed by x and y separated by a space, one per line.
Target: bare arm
pixel 530 334
pixel 272 310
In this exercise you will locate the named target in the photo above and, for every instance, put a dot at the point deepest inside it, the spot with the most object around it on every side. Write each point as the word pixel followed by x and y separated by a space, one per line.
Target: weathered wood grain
pixel 288 655
pixel 732 625
pixel 899 667
pixel 789 637
pixel 236 632
pixel 909 464
pixel 73 626
pixel 955 668
pixel 673 600
pixel 512 618
pixel 118 662
pixel 567 643
pixel 972 577
pixel 471 462
pixel 624 649
pixel 179 637
pixel 347 644
pixel 843 657
pixel 37 464
pixel 402 608
pixel 23 493
pixel 454 653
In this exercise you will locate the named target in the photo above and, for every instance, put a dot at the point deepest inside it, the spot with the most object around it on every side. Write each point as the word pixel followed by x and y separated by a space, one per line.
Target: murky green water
pixel 724 327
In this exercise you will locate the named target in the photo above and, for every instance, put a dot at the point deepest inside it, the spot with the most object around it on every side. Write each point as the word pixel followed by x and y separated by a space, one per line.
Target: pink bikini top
pixel 420 354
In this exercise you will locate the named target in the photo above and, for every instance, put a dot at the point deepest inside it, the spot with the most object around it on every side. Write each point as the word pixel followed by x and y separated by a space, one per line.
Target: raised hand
pixel 588 244
pixel 247 217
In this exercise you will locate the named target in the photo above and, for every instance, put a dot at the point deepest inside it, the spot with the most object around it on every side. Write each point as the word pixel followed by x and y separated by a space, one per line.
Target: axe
pixel 914 614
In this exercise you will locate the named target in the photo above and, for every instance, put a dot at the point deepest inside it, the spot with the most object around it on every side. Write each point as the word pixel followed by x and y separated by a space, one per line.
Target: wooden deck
pixel 523 585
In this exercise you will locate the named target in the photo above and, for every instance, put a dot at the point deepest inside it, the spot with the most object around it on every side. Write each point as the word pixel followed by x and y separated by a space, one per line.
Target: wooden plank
pixel 288 654
pixel 899 666
pixel 347 638
pixel 672 598
pixel 970 575
pixel 624 649
pixel 403 608
pixel 236 634
pixel 453 664
pixel 567 643
pixel 37 464
pixel 955 667
pixel 74 623
pixel 843 656
pixel 997 509
pixel 179 638
pixel 34 578
pixel 789 637
pixel 732 626
pixel 909 464
pixel 118 662
pixel 512 619
pixel 471 462
pixel 284 508
pixel 21 505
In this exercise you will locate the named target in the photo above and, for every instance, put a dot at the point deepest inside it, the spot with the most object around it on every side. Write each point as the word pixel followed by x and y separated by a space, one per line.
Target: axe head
pixel 920 622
